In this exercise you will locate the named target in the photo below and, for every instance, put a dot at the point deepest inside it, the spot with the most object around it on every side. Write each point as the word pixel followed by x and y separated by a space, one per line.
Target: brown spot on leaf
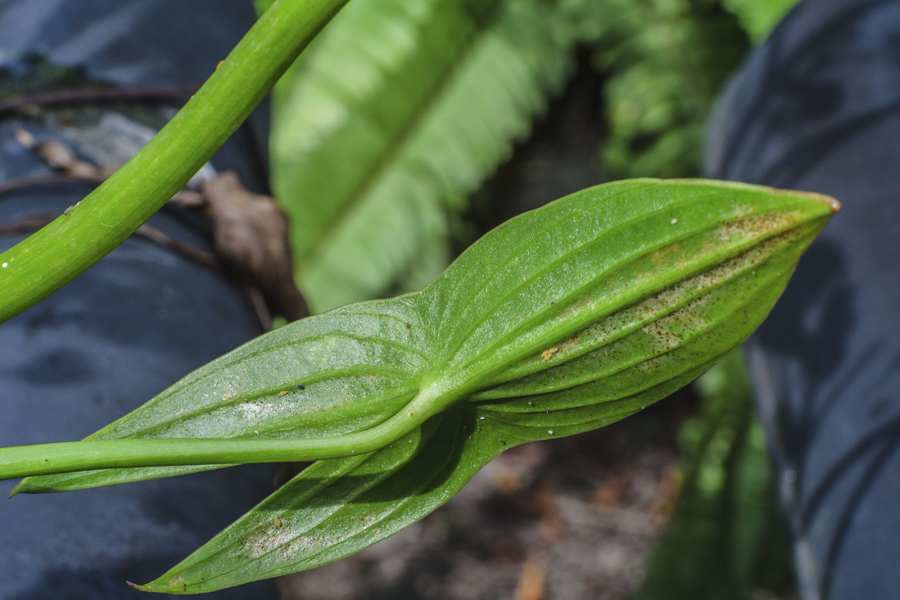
pixel 569 344
pixel 663 338
pixel 756 226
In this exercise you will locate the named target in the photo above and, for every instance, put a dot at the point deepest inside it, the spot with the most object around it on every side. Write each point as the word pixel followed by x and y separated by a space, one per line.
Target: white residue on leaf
pixel 255 408
pixel 274 536
pixel 229 393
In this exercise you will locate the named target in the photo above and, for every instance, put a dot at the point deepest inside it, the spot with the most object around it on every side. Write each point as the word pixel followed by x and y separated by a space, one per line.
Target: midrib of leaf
pixel 427 170
pixel 321 375
pixel 453 348
pixel 407 38
pixel 389 157
pixel 511 334
pixel 462 335
pixel 272 427
pixel 621 366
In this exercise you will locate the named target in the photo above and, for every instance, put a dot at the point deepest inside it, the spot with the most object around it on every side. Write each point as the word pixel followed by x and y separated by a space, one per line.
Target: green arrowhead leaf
pixel 562 320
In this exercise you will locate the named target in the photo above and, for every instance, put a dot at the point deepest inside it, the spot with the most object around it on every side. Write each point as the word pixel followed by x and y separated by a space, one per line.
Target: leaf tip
pixel 18 489
pixel 832 204
pixel 175 585
pixel 28 486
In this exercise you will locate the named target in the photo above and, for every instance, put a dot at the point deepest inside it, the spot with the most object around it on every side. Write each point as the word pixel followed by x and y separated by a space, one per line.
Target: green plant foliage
pixel 759 17
pixel 727 539
pixel 390 119
pixel 562 320
pixel 666 61
pixel 86 232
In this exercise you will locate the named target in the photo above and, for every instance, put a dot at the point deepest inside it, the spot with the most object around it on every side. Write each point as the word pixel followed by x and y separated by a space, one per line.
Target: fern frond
pixel 665 61
pixel 398 111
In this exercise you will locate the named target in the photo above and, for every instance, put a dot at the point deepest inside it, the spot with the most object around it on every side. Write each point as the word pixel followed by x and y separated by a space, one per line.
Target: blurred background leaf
pixel 758 17
pixel 726 539
pixel 403 108
pixel 391 119
pixel 665 61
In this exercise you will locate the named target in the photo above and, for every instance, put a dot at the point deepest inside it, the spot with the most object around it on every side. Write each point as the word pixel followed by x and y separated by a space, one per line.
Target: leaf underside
pixel 560 321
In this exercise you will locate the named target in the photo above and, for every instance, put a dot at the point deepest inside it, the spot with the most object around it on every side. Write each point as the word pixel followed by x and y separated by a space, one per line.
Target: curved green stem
pixel 67 457
pixel 55 255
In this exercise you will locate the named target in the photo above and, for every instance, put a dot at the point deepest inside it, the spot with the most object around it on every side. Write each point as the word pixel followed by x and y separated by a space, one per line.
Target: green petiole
pixel 67 457
pixel 45 262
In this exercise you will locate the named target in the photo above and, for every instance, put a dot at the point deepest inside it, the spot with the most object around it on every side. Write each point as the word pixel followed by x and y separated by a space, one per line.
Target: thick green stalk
pixel 67 457
pixel 58 253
